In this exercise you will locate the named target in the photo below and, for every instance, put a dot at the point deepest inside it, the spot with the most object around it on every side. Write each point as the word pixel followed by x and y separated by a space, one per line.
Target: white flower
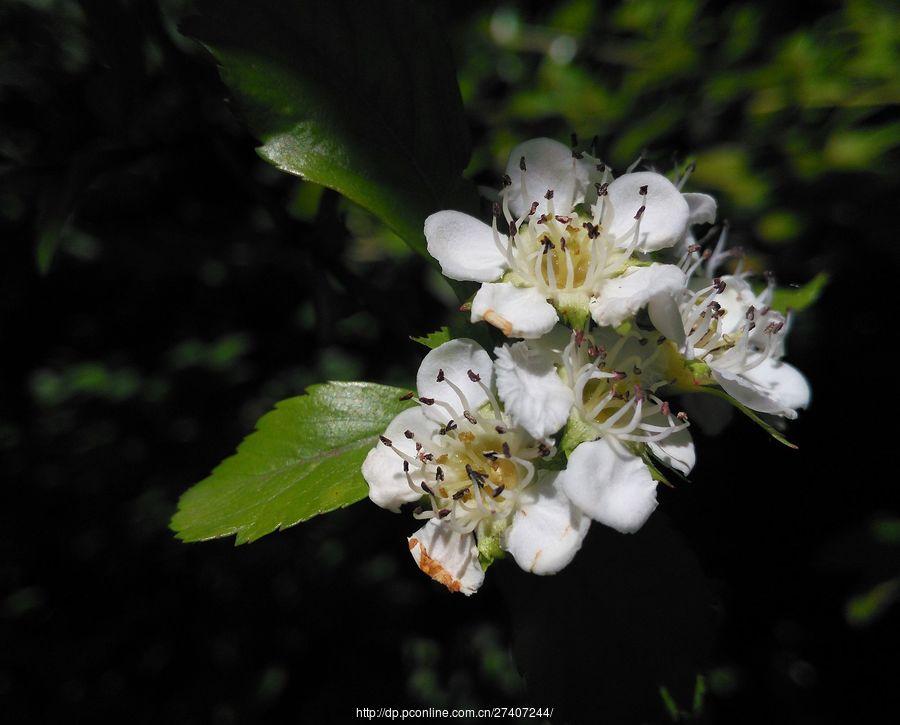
pixel 723 323
pixel 577 242
pixel 477 472
pixel 605 387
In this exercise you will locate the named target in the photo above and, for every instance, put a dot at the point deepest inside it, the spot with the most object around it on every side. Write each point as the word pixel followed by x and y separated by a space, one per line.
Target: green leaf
pixel 303 459
pixel 434 339
pixel 799 298
pixel 360 97
pixel 772 431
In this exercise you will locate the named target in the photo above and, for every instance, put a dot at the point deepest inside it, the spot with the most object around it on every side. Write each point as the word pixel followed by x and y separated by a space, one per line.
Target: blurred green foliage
pixel 188 286
pixel 762 109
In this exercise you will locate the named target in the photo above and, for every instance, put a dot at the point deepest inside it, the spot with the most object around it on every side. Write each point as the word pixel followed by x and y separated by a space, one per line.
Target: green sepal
pixel 767 427
pixel 575 433
pixel 489 550
pixel 799 298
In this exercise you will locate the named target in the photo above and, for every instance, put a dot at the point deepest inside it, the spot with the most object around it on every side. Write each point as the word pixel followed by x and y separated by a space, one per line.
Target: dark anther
pixel 506 449
pixel 548 245
pixel 498 491
pixel 642 341
pixel 637 370
pixel 719 284
pixel 643 190
pixel 426 401
pixel 522 164
pixel 542 219
pixel 440 375
pixel 593 232
pixel 386 441
pixel 439 474
pixel 751 313
pixel 477 477
pixel 693 248
pixel 543 450
pixel 640 212
pixel 409 434
pixel 495 208
pixel 500 429
pixel 418 446
pixel 563 219
pixel 660 340
pixel 562 243
pixel 534 206
pixel 418 510
pixel 406 466
pixel 602 189
pixel 459 494
pixel 506 180
pixel 473 376
pixel 601 168
pixel 426 489
pixel 443 513
pixel 549 194
pixel 490 455
pixel 469 417
pixel 407 396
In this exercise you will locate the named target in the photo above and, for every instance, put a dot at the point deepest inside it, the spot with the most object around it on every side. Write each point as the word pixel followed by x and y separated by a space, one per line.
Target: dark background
pixel 193 286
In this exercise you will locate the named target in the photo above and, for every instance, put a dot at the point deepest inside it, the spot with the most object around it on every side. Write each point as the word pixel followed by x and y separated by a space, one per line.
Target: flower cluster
pixel 614 311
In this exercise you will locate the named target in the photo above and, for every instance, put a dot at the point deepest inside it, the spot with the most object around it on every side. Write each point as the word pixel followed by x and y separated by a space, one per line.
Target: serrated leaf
pixel 434 339
pixel 303 459
pixel 357 96
pixel 772 431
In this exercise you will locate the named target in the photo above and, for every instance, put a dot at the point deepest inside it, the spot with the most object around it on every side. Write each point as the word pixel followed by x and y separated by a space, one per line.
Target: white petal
pixel 771 387
pixel 447 557
pixel 666 317
pixel 702 208
pixel 383 468
pixel 612 487
pixel 676 450
pixel 533 394
pixel 784 382
pixel 455 359
pixel 515 311
pixel 464 247
pixel 665 218
pixel 621 297
pixel 550 165
pixel 547 530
